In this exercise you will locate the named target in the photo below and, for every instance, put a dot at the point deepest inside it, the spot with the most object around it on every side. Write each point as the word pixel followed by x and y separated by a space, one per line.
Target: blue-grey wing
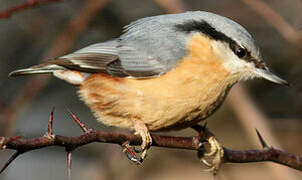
pixel 112 58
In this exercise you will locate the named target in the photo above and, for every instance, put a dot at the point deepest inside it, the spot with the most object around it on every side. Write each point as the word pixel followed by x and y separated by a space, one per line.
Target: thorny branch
pixel 29 4
pixel 126 140
pixel 192 143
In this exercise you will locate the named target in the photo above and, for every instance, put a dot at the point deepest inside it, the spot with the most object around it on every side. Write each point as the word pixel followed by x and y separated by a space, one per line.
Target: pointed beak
pixel 271 76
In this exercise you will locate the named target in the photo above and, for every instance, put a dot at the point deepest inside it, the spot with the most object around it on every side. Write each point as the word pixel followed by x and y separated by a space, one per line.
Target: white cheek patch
pixel 72 77
pixel 232 63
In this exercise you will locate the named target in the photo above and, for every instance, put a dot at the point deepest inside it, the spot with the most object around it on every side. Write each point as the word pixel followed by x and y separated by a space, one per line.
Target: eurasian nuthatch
pixel 165 72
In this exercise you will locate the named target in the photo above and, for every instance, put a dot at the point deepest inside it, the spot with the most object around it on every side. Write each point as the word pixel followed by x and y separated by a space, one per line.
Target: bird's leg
pixel 142 130
pixel 200 128
pixel 212 156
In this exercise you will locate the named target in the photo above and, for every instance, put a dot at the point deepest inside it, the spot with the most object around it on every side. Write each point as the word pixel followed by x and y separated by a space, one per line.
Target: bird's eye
pixel 240 52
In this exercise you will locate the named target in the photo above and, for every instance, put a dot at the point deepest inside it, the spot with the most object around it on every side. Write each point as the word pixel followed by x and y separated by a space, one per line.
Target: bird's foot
pixel 214 158
pixel 142 130
pixel 137 155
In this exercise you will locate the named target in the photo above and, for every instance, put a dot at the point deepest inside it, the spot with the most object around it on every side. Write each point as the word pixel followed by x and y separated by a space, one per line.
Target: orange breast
pixel 172 100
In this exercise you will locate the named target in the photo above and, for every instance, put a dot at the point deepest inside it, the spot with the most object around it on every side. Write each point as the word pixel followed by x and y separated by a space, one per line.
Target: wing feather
pixel 87 62
pixel 112 58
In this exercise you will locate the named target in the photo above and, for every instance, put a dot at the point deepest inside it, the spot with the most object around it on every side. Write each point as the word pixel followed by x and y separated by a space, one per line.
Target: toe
pixel 146 143
pixel 214 158
pixel 142 130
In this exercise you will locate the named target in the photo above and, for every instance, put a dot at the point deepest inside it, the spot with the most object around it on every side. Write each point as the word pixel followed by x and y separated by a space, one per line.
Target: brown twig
pixel 268 154
pixel 242 104
pixel 29 4
pixel 189 143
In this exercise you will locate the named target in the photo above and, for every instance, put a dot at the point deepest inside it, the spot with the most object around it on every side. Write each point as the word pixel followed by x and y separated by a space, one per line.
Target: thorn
pixel 78 121
pixel 11 159
pixel 50 124
pixel 262 141
pixel 69 161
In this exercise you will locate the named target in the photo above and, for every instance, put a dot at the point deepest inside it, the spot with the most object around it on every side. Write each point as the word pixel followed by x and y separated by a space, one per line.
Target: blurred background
pixel 36 34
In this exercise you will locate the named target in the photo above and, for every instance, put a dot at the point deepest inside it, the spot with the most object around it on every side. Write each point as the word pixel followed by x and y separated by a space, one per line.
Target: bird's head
pixel 231 43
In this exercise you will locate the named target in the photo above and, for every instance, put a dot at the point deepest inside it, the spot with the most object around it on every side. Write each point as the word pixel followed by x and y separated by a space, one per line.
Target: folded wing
pixel 110 57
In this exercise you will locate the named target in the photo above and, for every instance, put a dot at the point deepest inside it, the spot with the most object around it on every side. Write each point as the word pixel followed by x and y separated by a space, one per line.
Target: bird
pixel 165 72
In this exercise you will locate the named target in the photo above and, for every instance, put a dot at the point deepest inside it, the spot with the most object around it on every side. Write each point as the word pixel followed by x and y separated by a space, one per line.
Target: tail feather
pixel 39 69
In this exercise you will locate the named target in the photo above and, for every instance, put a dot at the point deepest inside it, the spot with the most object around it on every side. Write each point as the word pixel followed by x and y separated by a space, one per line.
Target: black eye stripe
pixel 205 28
pixel 211 32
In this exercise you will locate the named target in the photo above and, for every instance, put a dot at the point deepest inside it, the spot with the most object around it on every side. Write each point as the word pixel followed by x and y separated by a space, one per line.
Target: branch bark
pixel 198 143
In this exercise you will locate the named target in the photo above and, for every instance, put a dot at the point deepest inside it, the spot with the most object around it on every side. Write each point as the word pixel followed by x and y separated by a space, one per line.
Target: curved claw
pixel 131 153
pixel 146 141
pixel 206 163
pixel 213 159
